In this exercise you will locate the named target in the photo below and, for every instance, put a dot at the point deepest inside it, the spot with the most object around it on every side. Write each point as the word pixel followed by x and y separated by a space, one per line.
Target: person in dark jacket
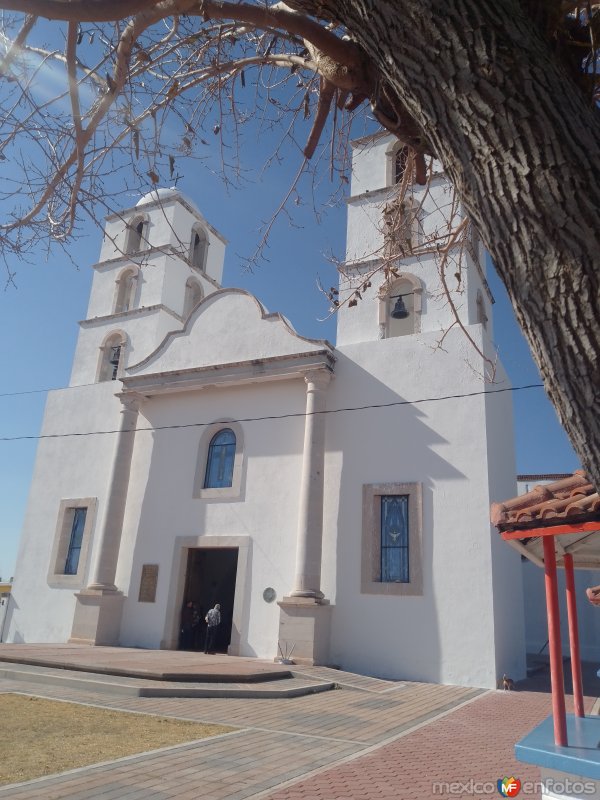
pixel 187 621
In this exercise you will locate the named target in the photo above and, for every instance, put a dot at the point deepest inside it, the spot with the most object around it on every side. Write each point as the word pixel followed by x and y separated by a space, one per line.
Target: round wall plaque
pixel 269 594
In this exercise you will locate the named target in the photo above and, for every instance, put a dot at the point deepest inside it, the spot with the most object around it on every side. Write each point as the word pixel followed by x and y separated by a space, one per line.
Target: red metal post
pixel 556 666
pixel 574 636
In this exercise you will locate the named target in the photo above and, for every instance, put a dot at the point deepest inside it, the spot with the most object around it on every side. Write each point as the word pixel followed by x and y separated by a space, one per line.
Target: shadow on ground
pixel 538 679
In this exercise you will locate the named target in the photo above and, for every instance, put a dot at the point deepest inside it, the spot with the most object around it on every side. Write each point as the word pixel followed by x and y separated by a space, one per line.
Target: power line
pixel 281 416
pixel 42 391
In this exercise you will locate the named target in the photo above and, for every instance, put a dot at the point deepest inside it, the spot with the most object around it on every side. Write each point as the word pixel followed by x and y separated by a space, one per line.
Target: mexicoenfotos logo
pixel 509 787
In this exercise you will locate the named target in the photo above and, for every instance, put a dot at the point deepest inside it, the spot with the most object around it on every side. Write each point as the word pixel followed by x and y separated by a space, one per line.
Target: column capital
pixel 131 401
pixel 318 377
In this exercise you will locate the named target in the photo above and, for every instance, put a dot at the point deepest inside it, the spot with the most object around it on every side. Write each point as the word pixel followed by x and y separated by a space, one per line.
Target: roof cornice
pixel 259 370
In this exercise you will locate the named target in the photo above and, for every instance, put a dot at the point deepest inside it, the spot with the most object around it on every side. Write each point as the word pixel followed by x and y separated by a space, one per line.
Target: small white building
pixel 4 603
pixel 334 499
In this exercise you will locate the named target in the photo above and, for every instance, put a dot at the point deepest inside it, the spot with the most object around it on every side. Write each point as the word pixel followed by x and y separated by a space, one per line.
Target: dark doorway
pixel 210 578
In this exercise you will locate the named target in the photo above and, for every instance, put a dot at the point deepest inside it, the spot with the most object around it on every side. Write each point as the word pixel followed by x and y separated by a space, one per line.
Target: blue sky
pixel 39 313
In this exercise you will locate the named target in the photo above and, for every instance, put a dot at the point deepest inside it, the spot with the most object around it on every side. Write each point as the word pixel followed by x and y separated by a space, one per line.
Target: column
pixel 310 514
pixel 305 616
pixel 110 541
pixel 98 609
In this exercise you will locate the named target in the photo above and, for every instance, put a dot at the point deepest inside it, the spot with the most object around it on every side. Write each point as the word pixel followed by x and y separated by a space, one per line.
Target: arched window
pixel 193 295
pixel 400 307
pixel 111 357
pixel 220 461
pixel 198 248
pixel 126 286
pixel 136 235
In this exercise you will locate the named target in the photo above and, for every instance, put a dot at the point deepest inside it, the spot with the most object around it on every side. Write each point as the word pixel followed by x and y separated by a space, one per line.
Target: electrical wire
pixel 42 391
pixel 278 416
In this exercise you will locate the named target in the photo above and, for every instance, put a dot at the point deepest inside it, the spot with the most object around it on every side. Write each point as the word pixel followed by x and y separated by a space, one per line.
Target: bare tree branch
pixel 18 43
pixel 345 53
pixel 326 93
pixel 80 10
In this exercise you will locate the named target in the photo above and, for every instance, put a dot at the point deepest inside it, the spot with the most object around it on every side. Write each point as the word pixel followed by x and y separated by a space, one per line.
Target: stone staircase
pixel 283 685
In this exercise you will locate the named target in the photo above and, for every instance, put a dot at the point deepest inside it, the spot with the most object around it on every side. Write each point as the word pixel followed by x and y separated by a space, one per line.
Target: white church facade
pixel 333 499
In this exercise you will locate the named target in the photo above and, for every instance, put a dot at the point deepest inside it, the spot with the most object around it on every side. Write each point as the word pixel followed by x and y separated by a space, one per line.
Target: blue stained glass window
pixel 394 539
pixel 221 455
pixel 74 551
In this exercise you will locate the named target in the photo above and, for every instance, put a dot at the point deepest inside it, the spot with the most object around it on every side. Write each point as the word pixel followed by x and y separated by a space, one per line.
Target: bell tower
pixel 391 284
pixel 158 260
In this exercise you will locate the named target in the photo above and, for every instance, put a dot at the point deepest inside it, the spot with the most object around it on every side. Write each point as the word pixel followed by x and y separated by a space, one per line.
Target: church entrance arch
pixel 211 575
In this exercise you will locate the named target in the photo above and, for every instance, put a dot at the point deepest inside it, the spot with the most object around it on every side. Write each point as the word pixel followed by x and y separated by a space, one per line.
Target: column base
pixel 304 626
pixel 307 593
pixel 97 618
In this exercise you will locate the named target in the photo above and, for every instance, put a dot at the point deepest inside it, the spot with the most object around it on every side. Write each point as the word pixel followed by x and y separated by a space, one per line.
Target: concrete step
pixel 347 680
pixel 140 687
pixel 159 665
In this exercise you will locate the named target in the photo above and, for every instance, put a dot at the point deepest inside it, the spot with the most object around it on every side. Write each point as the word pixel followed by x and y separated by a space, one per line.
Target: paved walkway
pixel 472 745
pixel 352 744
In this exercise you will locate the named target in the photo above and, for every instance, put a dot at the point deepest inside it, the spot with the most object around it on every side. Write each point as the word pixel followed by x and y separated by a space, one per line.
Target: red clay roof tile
pixel 542 476
pixel 571 499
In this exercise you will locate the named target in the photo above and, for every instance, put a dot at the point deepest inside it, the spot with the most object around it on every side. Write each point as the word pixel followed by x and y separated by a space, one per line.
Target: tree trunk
pixel 521 144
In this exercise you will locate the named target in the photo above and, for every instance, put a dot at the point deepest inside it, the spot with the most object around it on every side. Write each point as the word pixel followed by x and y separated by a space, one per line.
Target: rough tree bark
pixel 522 146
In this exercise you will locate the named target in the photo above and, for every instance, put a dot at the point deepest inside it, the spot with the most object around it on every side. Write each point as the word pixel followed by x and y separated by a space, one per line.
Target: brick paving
pixel 347 679
pixel 277 741
pixel 375 741
pixel 473 743
pixel 338 715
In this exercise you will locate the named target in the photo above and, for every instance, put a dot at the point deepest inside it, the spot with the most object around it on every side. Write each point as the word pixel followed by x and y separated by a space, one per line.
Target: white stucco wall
pixel 365 228
pixel 170 221
pixel 458 631
pixel 143 331
pixel 5 601
pixel 506 583
pixel 448 634
pixel 369 168
pixel 361 322
pixel 161 504
pixel 212 336
pixel 65 468
pixel 161 280
pixel 160 292
pixel 372 189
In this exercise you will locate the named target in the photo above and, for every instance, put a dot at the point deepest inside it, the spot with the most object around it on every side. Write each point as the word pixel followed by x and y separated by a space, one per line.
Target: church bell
pixel 400 311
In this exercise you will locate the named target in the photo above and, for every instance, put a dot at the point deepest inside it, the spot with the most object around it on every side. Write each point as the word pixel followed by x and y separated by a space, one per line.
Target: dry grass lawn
pixel 49 736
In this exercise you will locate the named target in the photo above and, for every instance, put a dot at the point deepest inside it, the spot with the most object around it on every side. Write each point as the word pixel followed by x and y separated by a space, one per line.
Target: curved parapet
pixel 229 326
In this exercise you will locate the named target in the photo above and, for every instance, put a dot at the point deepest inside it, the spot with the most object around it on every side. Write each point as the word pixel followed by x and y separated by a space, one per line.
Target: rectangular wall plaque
pixel 148 583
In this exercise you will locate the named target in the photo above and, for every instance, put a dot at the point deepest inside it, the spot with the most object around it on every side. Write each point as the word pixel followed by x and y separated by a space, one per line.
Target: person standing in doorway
pixel 187 615
pixel 213 620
